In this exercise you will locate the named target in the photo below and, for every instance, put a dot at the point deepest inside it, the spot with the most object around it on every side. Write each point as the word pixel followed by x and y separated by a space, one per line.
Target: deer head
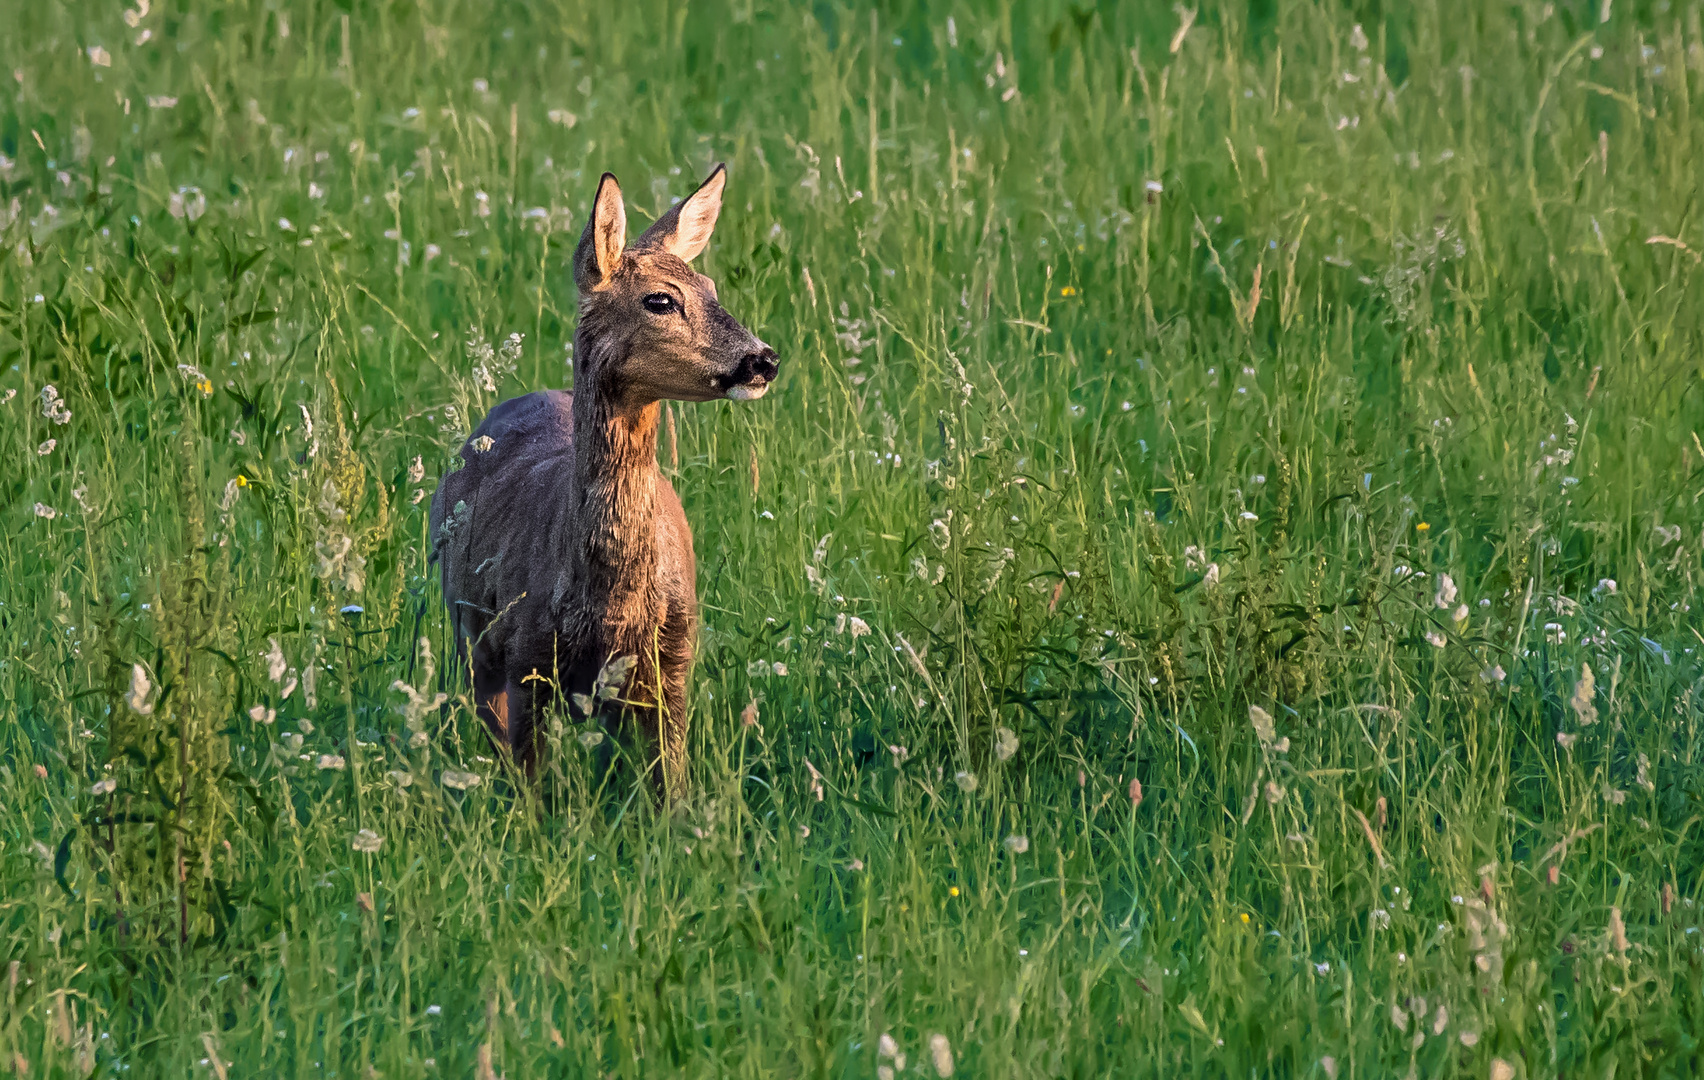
pixel 650 326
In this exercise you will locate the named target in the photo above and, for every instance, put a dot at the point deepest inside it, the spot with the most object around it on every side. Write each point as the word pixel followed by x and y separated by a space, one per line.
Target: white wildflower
pixel 53 406
pixel 460 781
pixel 1584 692
pixel 329 762
pixel 367 842
pixel 140 688
pixel 1017 844
pixel 1264 729
pixel 941 1053
pixel 1446 592
pixel 276 665
pixel 1005 743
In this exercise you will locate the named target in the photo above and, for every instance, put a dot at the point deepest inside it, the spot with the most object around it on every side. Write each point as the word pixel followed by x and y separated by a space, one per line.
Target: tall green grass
pixel 1081 692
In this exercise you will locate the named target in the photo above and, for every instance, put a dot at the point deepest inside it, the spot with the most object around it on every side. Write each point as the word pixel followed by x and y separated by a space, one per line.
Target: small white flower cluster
pixel 814 571
pixel 608 684
pixel 337 559
pixel 53 406
pixel 187 204
pixel 419 704
pixel 492 365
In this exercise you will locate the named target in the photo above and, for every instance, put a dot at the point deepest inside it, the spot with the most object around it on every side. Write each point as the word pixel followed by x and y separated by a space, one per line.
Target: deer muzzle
pixel 750 379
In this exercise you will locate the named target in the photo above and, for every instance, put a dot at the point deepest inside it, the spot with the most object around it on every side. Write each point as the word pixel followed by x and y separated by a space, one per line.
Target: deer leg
pixel 671 730
pixel 494 703
pixel 527 700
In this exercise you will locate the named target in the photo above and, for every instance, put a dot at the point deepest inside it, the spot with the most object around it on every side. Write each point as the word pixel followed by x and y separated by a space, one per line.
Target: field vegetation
pixel 1212 592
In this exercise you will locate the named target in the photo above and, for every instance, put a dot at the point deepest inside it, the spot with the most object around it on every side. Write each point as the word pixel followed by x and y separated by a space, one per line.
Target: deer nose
pixel 760 365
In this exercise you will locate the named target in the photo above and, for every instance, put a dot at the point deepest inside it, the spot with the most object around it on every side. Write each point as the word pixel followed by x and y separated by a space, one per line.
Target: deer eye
pixel 660 303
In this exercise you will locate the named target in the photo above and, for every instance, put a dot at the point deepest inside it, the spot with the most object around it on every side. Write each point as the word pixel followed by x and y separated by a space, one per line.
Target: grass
pixel 1141 384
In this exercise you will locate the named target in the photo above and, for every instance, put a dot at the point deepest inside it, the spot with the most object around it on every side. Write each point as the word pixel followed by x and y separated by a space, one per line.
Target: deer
pixel 565 555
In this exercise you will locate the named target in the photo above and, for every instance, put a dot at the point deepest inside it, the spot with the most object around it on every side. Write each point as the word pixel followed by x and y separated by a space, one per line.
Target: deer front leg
pixel 530 697
pixel 671 727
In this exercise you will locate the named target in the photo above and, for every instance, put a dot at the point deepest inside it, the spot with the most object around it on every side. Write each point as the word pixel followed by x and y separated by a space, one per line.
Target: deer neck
pixel 615 521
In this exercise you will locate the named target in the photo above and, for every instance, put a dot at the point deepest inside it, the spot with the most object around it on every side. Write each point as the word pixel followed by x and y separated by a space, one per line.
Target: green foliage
pixel 1211 592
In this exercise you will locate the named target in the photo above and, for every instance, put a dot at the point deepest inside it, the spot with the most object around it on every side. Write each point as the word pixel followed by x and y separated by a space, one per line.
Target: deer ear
pixel 601 244
pixel 684 231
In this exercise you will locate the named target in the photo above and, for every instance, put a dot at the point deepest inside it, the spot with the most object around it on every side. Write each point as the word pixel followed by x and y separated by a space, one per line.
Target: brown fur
pixel 563 545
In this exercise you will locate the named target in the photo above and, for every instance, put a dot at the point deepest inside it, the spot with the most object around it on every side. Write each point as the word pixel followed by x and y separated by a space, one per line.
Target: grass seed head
pixel 1618 931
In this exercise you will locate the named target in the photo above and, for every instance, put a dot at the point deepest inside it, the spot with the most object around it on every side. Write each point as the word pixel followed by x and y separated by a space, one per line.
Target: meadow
pixel 1211 592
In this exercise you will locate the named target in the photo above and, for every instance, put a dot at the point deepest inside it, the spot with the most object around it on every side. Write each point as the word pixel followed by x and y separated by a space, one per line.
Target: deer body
pixel 562 545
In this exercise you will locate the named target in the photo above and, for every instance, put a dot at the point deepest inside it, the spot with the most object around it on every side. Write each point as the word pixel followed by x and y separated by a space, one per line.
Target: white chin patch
pixel 748 392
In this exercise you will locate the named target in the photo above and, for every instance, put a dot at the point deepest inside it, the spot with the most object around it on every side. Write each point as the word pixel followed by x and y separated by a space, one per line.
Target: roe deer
pixel 563 547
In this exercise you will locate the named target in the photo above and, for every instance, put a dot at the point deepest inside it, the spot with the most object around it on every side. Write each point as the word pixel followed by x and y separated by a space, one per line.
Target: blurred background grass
pixel 1139 367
